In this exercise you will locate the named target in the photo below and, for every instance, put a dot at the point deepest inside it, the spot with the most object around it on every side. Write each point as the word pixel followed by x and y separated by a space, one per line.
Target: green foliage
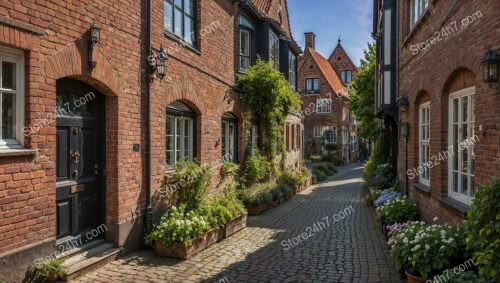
pixel 426 250
pixel 398 210
pixel 327 168
pixel 2 279
pixel 228 169
pixel 320 175
pixel 286 190
pixel 271 99
pixel 376 159
pixel 483 229
pixel 465 277
pixel 293 179
pixel 266 192
pixel 47 267
pixel 315 158
pixel 178 225
pixel 231 203
pixel 363 96
pixel 256 169
pixel 193 184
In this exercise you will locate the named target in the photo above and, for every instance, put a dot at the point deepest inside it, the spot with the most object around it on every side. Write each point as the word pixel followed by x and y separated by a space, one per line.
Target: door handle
pixel 96 171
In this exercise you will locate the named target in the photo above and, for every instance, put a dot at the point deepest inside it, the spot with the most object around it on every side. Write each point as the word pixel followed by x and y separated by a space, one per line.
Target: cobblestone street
pixel 350 250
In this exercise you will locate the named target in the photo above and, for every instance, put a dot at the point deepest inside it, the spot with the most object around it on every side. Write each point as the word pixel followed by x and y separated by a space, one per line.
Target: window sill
pixel 181 43
pixel 17 152
pixel 456 206
pixel 422 188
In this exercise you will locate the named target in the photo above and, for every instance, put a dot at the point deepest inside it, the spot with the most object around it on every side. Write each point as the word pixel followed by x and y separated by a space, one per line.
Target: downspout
pixel 149 208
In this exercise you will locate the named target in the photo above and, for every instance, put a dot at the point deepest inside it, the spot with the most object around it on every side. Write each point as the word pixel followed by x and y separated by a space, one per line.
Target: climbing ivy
pixel 271 100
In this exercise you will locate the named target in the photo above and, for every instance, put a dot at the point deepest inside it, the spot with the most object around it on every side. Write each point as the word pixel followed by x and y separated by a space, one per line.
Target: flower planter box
pixel 186 251
pixel 281 200
pixel 414 279
pixel 274 203
pixel 235 225
pixel 257 209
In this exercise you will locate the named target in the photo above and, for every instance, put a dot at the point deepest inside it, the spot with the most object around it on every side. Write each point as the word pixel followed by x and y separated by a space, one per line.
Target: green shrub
pixel 2 279
pixel 178 225
pixel 326 168
pixel 256 169
pixel 376 159
pixel 425 250
pixel 320 175
pixel 258 194
pixel 228 169
pixel 47 267
pixel 286 190
pixel 292 179
pixel 331 167
pixel 465 277
pixel 483 229
pixel 398 210
pixel 315 158
pixel 193 184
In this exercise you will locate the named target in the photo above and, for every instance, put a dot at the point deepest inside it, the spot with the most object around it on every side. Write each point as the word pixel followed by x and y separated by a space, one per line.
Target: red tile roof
pixel 263 5
pixel 329 73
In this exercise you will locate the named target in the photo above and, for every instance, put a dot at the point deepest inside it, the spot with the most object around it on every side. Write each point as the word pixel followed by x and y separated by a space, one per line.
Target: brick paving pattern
pixel 349 250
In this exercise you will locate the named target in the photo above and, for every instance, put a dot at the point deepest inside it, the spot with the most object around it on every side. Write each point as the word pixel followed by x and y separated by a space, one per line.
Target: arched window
pixel 229 137
pixel 180 135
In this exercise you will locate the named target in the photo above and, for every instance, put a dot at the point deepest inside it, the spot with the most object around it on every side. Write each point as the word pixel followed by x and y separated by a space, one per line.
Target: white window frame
pixel 417 10
pixel 456 153
pixel 14 56
pixel 333 138
pixel 230 139
pixel 324 105
pixel 178 150
pixel 424 155
pixel 317 131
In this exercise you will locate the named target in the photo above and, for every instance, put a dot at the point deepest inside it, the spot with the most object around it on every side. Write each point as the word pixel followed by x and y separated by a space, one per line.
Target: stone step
pixel 81 249
pixel 89 259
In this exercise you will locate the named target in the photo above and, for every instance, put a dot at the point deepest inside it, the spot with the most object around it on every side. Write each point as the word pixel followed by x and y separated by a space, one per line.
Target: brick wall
pixel 450 63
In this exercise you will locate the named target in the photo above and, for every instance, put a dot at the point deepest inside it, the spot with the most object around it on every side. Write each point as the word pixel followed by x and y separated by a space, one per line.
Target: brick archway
pixel 72 62
pixel 459 61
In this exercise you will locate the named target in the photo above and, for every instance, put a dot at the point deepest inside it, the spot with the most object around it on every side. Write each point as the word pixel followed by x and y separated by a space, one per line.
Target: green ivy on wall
pixel 271 99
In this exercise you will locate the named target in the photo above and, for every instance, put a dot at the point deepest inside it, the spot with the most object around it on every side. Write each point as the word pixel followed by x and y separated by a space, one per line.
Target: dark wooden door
pixel 79 164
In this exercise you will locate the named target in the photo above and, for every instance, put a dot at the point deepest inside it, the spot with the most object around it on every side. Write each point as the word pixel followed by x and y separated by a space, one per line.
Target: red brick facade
pixel 53 36
pixel 430 70
pixel 313 65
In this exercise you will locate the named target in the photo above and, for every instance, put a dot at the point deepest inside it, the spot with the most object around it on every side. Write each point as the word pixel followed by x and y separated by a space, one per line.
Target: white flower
pixel 174 208
pixel 427 246
pixel 188 222
pixel 405 240
pixel 417 247
pixel 435 219
pixel 177 222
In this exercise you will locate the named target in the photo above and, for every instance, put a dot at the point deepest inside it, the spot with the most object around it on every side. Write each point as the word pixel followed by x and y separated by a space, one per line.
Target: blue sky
pixel 329 19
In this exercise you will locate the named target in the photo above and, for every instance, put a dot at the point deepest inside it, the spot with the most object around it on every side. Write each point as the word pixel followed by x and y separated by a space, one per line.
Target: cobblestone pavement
pixel 352 249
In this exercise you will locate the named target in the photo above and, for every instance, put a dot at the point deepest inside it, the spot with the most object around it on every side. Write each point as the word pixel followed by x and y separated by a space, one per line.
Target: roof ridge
pixel 330 74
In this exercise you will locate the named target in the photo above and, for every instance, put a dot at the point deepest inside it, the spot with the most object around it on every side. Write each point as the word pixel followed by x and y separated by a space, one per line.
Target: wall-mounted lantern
pixel 158 63
pixel 491 63
pixel 95 37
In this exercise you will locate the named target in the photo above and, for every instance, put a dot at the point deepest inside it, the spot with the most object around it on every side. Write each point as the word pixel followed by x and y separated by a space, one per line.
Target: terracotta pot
pixel 52 277
pixel 235 225
pixel 414 279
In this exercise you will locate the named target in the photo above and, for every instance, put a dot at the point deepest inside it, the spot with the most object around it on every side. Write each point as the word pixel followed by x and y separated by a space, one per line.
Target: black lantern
pixel 491 64
pixel 158 63
pixel 404 104
pixel 95 37
pixel 95 33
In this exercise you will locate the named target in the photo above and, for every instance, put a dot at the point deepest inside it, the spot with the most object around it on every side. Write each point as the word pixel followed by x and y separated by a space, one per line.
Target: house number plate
pixel 77 188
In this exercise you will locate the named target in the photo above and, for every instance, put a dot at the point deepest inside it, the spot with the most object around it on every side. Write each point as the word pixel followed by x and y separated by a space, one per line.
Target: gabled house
pixel 329 126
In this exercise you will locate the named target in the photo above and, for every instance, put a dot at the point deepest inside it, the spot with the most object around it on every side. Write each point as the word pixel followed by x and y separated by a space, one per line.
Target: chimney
pixel 310 40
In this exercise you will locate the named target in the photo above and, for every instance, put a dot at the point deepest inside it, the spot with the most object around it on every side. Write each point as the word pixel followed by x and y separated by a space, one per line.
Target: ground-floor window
pixel 11 98
pixel 180 134
pixel 461 142
pixel 424 142
pixel 229 137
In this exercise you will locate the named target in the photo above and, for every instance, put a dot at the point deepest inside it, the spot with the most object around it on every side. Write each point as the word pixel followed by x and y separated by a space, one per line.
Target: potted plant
pixel 50 270
pixel 423 251
pixel 231 211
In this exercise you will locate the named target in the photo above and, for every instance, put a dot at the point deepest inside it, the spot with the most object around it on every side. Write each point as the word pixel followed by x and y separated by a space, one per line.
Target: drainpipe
pixel 149 208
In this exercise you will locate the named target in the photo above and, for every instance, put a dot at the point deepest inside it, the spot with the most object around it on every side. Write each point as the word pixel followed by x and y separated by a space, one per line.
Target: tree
pixel 362 99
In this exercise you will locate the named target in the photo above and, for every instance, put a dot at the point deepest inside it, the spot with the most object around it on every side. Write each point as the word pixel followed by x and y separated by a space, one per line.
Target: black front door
pixel 80 159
